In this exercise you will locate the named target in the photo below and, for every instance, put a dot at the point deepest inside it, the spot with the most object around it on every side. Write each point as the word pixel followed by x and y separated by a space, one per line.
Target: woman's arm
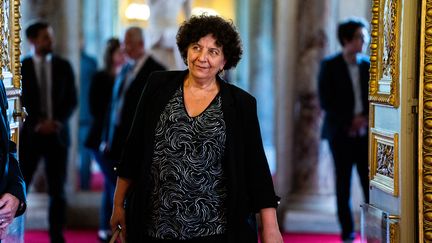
pixel 270 232
pixel 118 214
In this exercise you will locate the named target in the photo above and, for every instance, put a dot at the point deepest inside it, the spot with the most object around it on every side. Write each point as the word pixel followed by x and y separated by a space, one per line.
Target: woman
pixel 194 168
pixel 100 96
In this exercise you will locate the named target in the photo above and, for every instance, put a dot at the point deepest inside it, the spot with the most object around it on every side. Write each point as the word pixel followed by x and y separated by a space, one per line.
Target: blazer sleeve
pixel 259 180
pixel 15 184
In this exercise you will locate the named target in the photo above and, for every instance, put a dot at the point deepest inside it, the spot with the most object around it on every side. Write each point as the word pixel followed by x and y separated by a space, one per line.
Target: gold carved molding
pixel 384 164
pixel 384 50
pixel 425 125
pixel 10 65
pixel 394 229
pixel 10 40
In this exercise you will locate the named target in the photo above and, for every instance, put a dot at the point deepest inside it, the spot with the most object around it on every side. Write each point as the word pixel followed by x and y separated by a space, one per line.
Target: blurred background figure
pixel 49 94
pixel 345 76
pixel 127 92
pixel 99 103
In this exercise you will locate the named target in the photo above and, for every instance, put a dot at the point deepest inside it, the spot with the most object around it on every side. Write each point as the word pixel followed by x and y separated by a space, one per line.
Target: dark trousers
pixel 347 152
pixel 107 167
pixel 54 154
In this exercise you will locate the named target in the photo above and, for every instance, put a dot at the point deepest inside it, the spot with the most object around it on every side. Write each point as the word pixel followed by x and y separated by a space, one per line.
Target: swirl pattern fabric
pixel 189 186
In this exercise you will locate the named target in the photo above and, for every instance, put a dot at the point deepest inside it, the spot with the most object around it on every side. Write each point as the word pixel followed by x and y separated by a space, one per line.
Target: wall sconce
pixel 137 11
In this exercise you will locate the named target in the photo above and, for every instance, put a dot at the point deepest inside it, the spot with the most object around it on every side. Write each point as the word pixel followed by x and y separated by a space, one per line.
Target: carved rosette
pixel 425 127
pixel 384 50
pixel 384 163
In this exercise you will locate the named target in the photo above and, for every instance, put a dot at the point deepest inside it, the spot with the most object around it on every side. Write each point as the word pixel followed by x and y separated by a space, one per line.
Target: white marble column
pixel 304 179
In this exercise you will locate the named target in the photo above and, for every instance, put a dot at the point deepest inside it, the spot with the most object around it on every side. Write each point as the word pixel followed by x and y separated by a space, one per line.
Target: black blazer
pixel 131 100
pixel 64 98
pixel 250 186
pixel 11 179
pixel 337 95
pixel 99 100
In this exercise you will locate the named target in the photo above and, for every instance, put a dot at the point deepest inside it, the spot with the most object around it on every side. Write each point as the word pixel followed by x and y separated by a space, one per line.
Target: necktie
pixel 119 90
pixel 43 83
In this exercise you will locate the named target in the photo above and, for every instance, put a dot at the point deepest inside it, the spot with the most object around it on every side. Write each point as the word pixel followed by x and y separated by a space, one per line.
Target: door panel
pixel 393 119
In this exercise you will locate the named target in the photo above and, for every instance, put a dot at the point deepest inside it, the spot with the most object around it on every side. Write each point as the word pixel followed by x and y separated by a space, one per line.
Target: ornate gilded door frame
pixel 425 125
pixel 10 62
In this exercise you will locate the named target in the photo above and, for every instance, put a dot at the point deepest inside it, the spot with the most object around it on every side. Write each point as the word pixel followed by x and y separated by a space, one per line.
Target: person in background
pixel 49 95
pixel 343 91
pixel 193 168
pixel 127 91
pixel 88 67
pixel 12 186
pixel 99 100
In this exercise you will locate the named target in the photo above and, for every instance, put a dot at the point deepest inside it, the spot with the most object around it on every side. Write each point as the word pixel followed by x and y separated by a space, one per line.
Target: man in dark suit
pixel 127 91
pixel 343 90
pixel 49 95
pixel 12 186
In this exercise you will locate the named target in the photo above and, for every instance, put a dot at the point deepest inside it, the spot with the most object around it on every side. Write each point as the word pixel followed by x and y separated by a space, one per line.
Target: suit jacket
pixel 99 100
pixel 64 97
pixel 250 186
pixel 11 179
pixel 337 95
pixel 131 100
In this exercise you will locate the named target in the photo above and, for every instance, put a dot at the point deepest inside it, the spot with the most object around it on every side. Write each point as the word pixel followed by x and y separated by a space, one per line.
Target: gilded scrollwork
pixel 384 50
pixel 384 167
pixel 6 44
pixel 15 43
pixel 385 161
pixel 10 43
pixel 425 126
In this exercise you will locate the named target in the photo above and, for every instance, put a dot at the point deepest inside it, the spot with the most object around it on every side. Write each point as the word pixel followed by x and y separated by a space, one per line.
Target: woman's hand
pixel 118 218
pixel 270 229
pixel 271 235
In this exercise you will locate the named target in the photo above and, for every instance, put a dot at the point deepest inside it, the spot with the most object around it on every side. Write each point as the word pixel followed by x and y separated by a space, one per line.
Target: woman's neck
pixel 203 84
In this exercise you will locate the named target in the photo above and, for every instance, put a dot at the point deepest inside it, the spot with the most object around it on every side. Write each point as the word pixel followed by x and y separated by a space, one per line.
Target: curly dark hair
pixel 223 31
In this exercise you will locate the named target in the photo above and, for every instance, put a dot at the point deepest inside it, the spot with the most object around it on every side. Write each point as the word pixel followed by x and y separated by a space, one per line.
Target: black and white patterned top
pixel 189 193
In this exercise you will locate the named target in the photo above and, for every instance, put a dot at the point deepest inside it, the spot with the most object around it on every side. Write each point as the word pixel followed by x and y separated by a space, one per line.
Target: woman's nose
pixel 202 56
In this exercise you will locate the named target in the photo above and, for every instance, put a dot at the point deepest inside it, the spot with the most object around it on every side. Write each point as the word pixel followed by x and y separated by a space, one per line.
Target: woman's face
pixel 118 57
pixel 205 59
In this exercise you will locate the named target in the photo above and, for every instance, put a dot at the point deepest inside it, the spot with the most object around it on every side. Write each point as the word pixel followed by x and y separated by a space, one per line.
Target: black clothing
pixel 249 183
pixel 337 100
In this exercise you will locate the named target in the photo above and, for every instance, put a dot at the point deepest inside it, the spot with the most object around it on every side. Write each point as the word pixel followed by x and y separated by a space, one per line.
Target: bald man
pixel 127 91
